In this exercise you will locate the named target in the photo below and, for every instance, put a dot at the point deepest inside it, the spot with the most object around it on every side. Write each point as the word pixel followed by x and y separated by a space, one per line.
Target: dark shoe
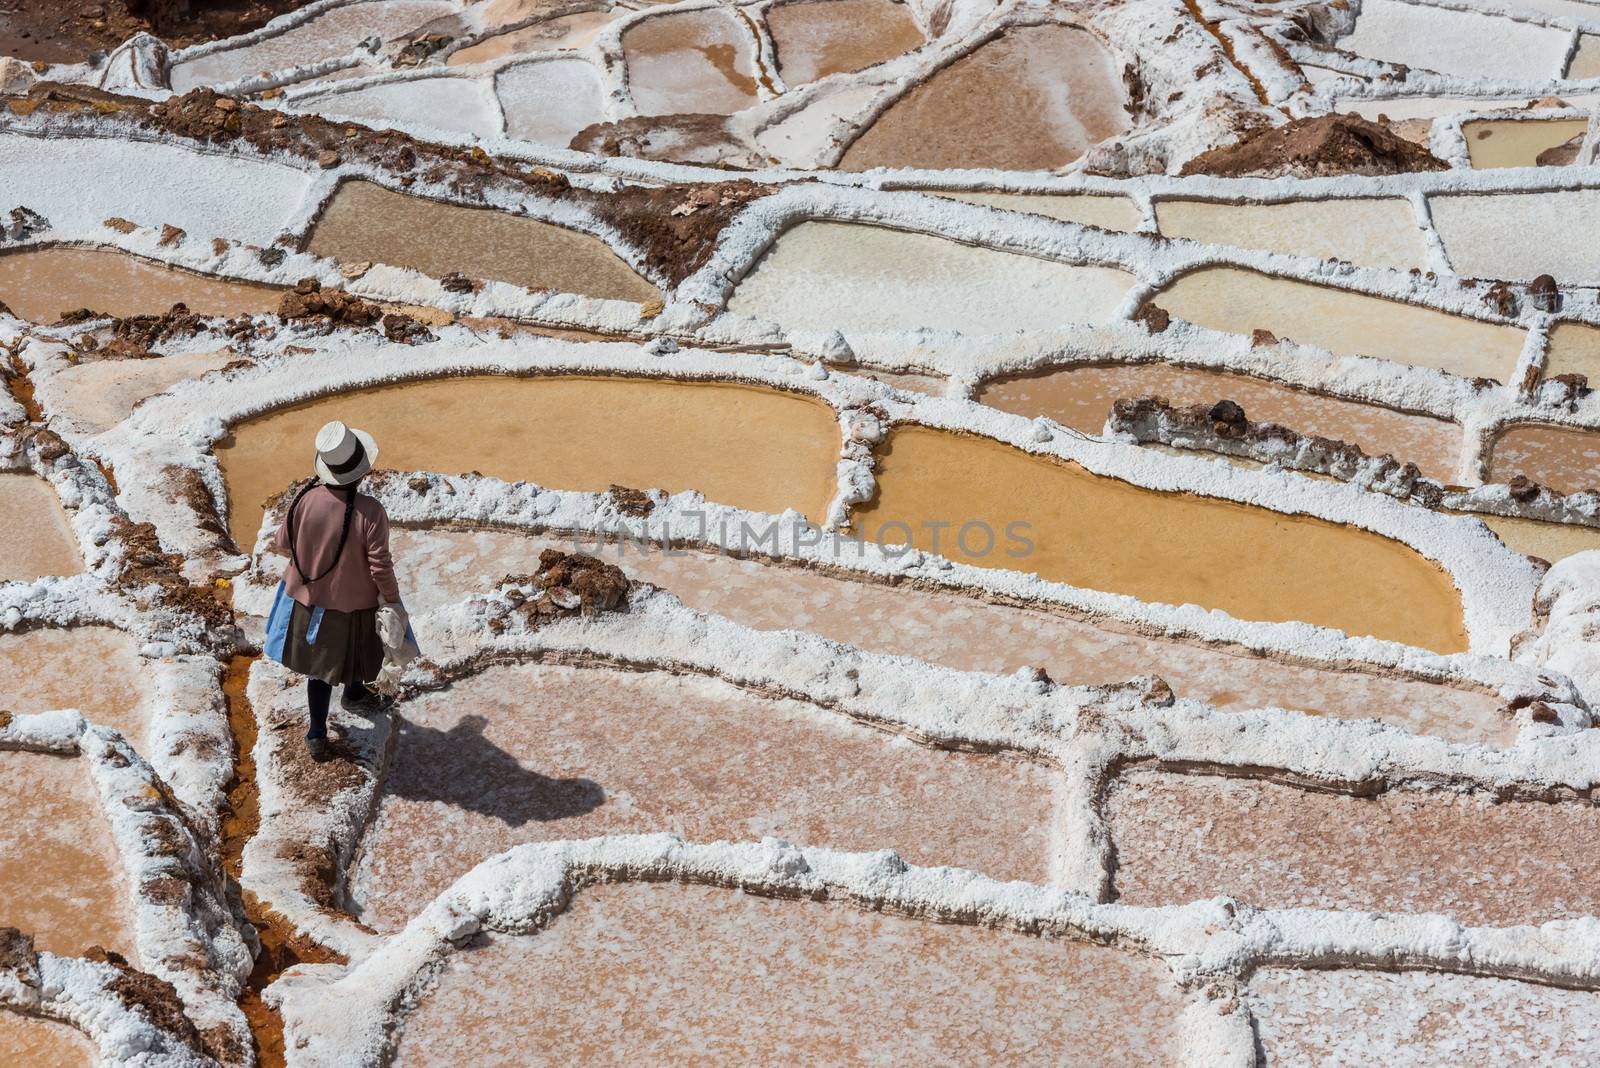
pixel 320 750
pixel 368 704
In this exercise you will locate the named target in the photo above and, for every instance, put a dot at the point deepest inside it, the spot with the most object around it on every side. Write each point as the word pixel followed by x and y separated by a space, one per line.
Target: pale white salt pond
pixel 1343 322
pixel 1106 212
pixel 38 1043
pixel 1370 232
pixel 460 105
pixel 327 36
pixel 1493 143
pixel 94 396
pixel 61 877
pixel 1519 236
pixel 692 61
pixel 1463 43
pixel 35 539
pixel 440 567
pixel 837 276
pixel 551 101
pixel 96 670
pixel 668 973
pixel 1348 1018
pixel 1586 58
pixel 219 196
pixel 537 752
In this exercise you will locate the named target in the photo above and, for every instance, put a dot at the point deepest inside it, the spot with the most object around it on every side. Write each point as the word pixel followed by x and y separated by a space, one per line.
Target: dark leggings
pixel 318 694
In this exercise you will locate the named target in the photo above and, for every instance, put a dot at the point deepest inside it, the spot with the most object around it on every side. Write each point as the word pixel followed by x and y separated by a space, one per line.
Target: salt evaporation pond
pixel 1082 397
pixel 1574 350
pixel 838 276
pixel 442 566
pixel 558 34
pixel 1519 236
pixel 39 1043
pixel 35 539
pixel 540 752
pixel 1106 212
pixel 1344 323
pixel 1419 1019
pixel 692 61
pixel 334 33
pixel 753 448
pixel 61 877
pixel 1495 143
pixel 1463 43
pixel 1034 99
pixel 43 284
pixel 460 105
pixel 1547 541
pixel 365 223
pixel 1182 838
pixel 42 669
pixel 1564 459
pixel 1103 534
pixel 550 102
pixel 95 395
pixel 823 37
pixel 1370 232
pixel 656 973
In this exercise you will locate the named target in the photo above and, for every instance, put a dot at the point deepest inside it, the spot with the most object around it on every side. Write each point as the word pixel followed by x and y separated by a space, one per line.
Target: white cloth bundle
pixel 399 646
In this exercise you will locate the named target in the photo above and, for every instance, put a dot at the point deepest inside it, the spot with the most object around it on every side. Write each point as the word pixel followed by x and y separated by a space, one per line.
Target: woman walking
pixel 325 623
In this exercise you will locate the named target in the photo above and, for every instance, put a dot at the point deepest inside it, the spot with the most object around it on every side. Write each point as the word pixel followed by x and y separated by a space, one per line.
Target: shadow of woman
pixel 462 768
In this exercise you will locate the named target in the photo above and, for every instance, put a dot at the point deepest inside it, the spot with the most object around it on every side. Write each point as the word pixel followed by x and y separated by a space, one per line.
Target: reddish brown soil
pixel 1317 147
pixel 280 949
pixel 62 31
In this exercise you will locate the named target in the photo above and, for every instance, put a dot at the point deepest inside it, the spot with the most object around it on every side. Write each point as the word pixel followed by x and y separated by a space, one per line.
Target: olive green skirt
pixel 343 648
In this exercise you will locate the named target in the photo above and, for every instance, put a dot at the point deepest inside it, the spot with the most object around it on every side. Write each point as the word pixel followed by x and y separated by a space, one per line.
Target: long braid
pixel 344 530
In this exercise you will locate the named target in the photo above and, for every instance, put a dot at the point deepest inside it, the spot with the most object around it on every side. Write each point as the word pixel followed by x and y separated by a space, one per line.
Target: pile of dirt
pixel 1317 147
pixel 572 583
pixel 308 300
pixel 59 31
pixel 155 998
pixel 676 226
pixel 18 960
pixel 134 337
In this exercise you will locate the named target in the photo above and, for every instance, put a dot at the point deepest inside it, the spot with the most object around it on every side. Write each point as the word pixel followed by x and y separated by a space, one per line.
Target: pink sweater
pixel 365 570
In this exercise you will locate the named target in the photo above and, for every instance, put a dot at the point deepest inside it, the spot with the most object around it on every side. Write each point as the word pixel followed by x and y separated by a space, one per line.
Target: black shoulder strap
pixel 344 535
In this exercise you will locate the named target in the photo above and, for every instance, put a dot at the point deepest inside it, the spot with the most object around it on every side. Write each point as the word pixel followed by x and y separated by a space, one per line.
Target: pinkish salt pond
pixel 1081 397
pixel 1034 99
pixel 35 540
pixel 533 752
pixel 1186 837
pixel 639 974
pixel 1566 460
pixel 42 284
pixel 30 1042
pixel 61 877
pixel 440 567
pixel 692 61
pixel 43 669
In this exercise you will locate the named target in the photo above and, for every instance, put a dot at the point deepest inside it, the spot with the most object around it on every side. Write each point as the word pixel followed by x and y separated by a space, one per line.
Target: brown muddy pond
pixel 61 876
pixel 1370 232
pixel 35 1043
pixel 1081 397
pixel 753 448
pixel 1034 99
pixel 1173 548
pixel 42 284
pixel 365 222
pixel 816 39
pixel 1495 143
pixel 693 61
pixel 35 539
pixel 1564 459
pixel 665 973
pixel 1343 322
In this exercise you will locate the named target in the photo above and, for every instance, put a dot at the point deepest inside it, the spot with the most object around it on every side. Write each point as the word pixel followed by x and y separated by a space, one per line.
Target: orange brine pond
pixel 35 1043
pixel 753 448
pixel 366 223
pixel 1006 508
pixel 669 974
pixel 43 284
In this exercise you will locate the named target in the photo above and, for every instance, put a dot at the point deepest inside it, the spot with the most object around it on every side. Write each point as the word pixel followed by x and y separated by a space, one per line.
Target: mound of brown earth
pixel 572 582
pixel 1317 147
pixel 61 31
pixel 308 300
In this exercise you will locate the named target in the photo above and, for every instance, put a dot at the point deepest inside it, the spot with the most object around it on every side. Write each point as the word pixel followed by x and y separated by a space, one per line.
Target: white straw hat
pixel 344 454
